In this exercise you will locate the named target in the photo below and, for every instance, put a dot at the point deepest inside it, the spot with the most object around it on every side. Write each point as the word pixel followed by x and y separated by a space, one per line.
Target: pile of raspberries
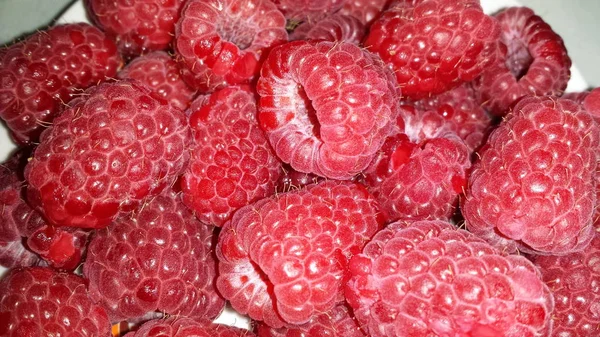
pixel 330 168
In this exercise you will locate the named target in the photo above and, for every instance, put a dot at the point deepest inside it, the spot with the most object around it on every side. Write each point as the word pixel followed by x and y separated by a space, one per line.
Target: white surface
pixel 77 14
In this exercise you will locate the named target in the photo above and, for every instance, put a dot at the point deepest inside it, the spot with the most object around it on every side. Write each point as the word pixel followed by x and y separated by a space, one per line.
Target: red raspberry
pixel 221 42
pixel 159 259
pixel 282 260
pixel 186 327
pixel 336 27
pixel 534 187
pixel 419 181
pixel 61 247
pixel 113 148
pixel 292 180
pixel 574 279
pixel 48 69
pixel 431 279
pixel 455 111
pixel 138 26
pixel 339 322
pixel 41 302
pixel 231 162
pixel 531 60
pixel 159 71
pixel 326 107
pixel 433 45
pixel 366 11
pixel 308 10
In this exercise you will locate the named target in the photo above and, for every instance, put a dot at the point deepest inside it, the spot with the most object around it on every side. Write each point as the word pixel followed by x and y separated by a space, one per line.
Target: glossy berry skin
pixel 38 301
pixel 292 180
pixel 573 280
pixel 366 11
pixel 222 42
pixel 282 260
pixel 161 73
pixel 138 27
pixel 308 10
pixel 232 163
pixel 433 45
pixel 61 247
pixel 419 181
pixel 114 147
pixel 339 322
pixel 186 327
pixel 159 259
pixel 46 70
pixel 335 27
pixel 326 107
pixel 534 187
pixel 427 278
pixel 531 60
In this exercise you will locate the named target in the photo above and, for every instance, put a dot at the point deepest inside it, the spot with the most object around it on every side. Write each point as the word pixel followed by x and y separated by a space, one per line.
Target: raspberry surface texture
pixel 366 11
pixel 232 163
pixel 37 301
pixel 433 45
pixel 223 42
pixel 46 70
pixel 111 149
pixel 326 107
pixel 419 181
pixel 159 259
pixel 139 26
pixel 161 73
pixel 186 327
pixel 61 247
pixel 428 278
pixel 531 59
pixel 574 279
pixel 308 10
pixel 534 188
pixel 282 260
pixel 335 27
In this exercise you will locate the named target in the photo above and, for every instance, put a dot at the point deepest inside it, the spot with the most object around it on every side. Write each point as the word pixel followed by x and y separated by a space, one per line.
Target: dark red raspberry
pixel 308 10
pixel 282 260
pixel 61 247
pixel 419 181
pixel 531 60
pixel 534 188
pixel 186 327
pixel 221 42
pixel 574 279
pixel 159 71
pixel 158 259
pixel 339 322
pixel 335 27
pixel 366 11
pixel 232 163
pixel 45 71
pixel 456 111
pixel 38 301
pixel 138 26
pixel 433 45
pixel 428 278
pixel 326 107
pixel 113 148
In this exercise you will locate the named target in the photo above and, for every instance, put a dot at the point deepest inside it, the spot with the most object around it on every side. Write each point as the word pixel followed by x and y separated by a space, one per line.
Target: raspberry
pixel 531 60
pixel 308 10
pixel 231 163
pixel 113 148
pixel 428 278
pixel 336 27
pixel 326 107
pixel 139 26
pixel 159 259
pixel 61 247
pixel 282 260
pixel 573 279
pixel 534 187
pixel 159 71
pixel 186 327
pixel 292 180
pixel 455 111
pixel 366 11
pixel 48 69
pixel 221 42
pixel 339 322
pixel 38 301
pixel 419 181
pixel 433 45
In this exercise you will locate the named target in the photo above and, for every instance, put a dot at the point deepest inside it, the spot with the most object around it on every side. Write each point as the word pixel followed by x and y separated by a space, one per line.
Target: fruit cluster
pixel 338 168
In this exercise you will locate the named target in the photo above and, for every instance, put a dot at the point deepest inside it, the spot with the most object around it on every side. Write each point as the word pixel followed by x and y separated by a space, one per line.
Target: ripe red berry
pixel 366 11
pixel 308 10
pixel 186 327
pixel 335 27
